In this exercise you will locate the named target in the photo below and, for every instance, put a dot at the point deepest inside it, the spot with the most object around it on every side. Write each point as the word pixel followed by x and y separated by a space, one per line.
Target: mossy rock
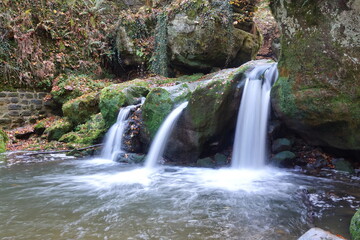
pixel 58 129
pixel 157 106
pixel 317 93
pixel 207 124
pixel 88 133
pixel 3 140
pixel 115 96
pixel 355 226
pixel 201 36
pixel 282 158
pixel 80 109
pixel 69 87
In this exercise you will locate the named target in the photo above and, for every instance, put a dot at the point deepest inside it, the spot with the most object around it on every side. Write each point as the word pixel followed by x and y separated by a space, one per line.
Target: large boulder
pixel 317 94
pixel 202 37
pixel 207 124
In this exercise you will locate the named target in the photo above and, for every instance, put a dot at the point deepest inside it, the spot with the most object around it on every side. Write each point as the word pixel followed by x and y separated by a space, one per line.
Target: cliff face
pixel 318 92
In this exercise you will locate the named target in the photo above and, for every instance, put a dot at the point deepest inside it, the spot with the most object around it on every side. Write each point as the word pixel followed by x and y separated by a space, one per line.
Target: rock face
pixel 199 43
pixel 207 124
pixel 318 92
pixel 190 36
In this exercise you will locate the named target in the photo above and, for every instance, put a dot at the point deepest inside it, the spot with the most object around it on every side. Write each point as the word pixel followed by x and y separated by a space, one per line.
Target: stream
pixel 58 197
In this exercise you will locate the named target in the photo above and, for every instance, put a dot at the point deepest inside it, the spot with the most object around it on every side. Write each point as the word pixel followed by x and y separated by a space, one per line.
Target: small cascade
pixel 113 138
pixel 158 145
pixel 249 149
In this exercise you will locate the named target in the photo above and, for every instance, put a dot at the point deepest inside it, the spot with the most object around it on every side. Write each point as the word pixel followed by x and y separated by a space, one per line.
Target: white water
pixel 113 138
pixel 249 149
pixel 158 145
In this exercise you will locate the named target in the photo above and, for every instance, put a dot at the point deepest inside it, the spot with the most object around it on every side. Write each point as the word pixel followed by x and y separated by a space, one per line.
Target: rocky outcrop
pixel 317 94
pixel 58 129
pixel 187 36
pixel 207 125
pixel 203 37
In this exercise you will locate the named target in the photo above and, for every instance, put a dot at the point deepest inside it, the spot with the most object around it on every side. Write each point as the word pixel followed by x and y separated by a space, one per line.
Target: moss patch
pixel 355 226
pixel 88 133
pixel 80 109
pixel 3 140
pixel 58 129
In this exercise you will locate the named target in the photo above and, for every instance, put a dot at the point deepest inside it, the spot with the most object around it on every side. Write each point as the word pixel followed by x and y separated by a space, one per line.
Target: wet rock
pixel 343 165
pixel 319 234
pixel 281 144
pixel 206 162
pixel 220 159
pixel 130 158
pixel 282 158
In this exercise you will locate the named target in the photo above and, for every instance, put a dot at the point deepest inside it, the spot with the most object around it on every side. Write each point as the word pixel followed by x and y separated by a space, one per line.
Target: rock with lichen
pixel 318 90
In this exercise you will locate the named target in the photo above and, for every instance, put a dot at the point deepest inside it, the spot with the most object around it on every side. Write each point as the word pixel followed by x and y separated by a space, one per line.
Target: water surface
pixel 100 199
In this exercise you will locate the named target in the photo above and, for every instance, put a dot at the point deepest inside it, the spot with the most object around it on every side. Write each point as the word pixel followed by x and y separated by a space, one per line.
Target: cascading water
pixel 158 145
pixel 113 138
pixel 249 149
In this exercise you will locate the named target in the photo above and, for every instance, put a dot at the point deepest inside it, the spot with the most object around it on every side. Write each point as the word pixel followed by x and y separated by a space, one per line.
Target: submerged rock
pixel 282 158
pixel 317 94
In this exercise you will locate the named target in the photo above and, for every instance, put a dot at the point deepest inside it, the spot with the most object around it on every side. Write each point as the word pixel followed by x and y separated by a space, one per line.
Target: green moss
pixel 79 110
pixel 88 133
pixel 157 106
pixel 58 129
pixel 113 97
pixel 206 102
pixel 282 92
pixel 355 226
pixel 3 140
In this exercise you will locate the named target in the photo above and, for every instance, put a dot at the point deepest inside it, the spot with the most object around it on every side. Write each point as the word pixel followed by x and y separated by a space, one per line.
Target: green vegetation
pixel 3 140
pixel 41 39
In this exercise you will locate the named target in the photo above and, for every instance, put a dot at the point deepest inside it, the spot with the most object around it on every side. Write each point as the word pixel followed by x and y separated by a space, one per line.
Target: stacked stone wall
pixel 22 107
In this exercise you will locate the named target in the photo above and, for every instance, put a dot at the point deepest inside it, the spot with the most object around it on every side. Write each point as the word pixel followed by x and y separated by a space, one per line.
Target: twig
pixel 63 151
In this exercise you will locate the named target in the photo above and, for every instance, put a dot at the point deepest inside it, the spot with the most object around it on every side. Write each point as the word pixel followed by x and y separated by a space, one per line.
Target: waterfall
pixel 249 149
pixel 113 138
pixel 158 145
